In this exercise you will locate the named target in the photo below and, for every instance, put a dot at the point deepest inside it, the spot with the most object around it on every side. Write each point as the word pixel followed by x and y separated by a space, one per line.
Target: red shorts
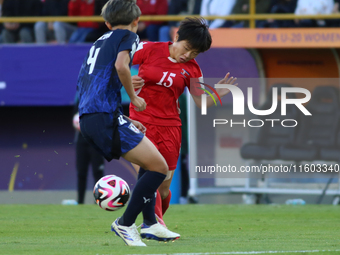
pixel 167 140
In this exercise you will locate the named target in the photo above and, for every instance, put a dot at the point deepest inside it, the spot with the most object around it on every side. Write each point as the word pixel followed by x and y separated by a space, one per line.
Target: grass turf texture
pixel 85 229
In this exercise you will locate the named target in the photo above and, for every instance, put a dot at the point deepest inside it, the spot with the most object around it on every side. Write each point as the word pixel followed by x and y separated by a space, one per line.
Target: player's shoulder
pixel 193 63
pixel 193 68
pixel 151 46
pixel 117 35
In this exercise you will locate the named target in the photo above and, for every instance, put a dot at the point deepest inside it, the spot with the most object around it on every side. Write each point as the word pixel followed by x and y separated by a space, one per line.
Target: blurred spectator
pixel 312 7
pixel 61 31
pixel 242 7
pixel 279 7
pixel 217 7
pixel 150 29
pixel 336 6
pixel 336 9
pixel 102 28
pixel 178 7
pixel 19 32
pixel 82 8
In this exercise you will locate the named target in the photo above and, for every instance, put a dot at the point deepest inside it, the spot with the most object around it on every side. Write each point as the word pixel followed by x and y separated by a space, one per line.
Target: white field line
pixel 243 252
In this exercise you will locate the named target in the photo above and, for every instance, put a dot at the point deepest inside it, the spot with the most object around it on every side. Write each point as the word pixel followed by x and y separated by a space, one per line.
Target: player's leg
pixel 160 199
pixel 147 156
pixel 115 136
pixel 143 156
pixel 150 226
pixel 185 181
pixel 97 163
pixel 149 216
pixel 82 164
pixel 164 190
pixel 167 142
pixel 158 209
pixel 155 231
pixel 169 147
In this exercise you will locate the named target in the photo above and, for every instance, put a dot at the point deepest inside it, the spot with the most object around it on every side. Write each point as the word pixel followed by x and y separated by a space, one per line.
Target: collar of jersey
pixel 172 60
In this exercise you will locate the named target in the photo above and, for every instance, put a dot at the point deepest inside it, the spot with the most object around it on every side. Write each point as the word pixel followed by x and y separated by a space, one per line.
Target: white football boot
pixel 158 232
pixel 129 235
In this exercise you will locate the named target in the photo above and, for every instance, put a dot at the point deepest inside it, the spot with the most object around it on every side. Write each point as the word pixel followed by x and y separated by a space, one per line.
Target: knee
pixel 164 169
pixel 158 165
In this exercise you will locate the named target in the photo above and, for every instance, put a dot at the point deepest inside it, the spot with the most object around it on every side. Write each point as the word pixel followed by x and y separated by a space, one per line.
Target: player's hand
pixel 139 125
pixel 226 80
pixel 137 82
pixel 139 103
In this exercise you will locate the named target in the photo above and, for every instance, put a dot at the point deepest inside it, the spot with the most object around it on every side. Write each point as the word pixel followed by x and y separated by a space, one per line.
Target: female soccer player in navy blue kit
pixel 104 71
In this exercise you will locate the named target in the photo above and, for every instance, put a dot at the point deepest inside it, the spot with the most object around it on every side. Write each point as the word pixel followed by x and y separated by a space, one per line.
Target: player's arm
pixel 123 70
pixel 220 91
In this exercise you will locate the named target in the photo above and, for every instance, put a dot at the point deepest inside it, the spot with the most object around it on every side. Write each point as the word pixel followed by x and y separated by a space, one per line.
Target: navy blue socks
pixel 143 196
pixel 149 217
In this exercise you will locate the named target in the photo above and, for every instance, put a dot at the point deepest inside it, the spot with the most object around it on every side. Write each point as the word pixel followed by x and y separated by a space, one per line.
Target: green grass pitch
pixel 209 229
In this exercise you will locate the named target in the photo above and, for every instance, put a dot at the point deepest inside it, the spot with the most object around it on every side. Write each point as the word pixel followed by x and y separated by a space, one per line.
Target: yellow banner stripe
pixel 13 176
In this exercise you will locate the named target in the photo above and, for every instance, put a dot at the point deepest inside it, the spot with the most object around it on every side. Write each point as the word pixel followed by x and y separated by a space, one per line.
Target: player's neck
pixel 171 51
pixel 127 27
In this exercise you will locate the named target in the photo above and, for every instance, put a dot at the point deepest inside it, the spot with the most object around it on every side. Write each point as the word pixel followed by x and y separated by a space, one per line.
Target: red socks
pixel 162 205
pixel 166 203
pixel 158 205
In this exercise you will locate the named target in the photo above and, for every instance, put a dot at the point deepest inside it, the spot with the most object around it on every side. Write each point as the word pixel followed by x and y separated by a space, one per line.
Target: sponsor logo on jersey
pixel 133 128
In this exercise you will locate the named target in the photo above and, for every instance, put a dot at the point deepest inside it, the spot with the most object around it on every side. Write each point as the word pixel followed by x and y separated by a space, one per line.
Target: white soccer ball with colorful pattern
pixel 111 192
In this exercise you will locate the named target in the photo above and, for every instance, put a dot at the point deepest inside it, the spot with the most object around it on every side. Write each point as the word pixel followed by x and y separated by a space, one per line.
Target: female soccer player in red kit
pixel 165 69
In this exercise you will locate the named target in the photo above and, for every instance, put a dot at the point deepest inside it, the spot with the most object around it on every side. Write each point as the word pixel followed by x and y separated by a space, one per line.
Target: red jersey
pixel 153 7
pixel 165 81
pixel 82 8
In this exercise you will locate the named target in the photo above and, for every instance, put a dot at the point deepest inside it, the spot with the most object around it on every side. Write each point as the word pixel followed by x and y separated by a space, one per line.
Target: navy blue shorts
pixel 110 133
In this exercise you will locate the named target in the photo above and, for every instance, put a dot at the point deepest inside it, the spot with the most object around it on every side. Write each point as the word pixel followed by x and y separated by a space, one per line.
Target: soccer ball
pixel 111 192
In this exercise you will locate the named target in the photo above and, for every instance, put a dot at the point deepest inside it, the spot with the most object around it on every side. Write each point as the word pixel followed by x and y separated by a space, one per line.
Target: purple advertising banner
pixel 39 75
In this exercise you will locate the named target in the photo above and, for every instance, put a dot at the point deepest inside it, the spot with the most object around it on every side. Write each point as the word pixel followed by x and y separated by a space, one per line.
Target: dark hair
pixel 196 32
pixel 120 12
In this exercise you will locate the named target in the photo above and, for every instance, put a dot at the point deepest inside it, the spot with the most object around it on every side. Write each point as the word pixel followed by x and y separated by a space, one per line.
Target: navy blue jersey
pixel 98 82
